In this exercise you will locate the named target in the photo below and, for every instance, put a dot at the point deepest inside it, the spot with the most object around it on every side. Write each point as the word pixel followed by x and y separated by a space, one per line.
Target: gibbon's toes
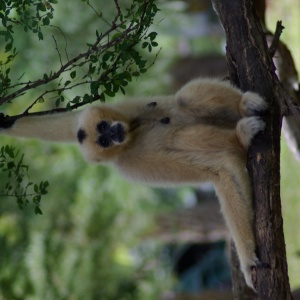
pixel 252 104
pixel 247 128
pixel 247 271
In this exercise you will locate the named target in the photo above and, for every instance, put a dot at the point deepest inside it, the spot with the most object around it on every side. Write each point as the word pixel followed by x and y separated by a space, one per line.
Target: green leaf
pixel 10 165
pixel 107 55
pixel 40 35
pixel 94 58
pixel 67 83
pixel 76 99
pixel 40 7
pixel 107 85
pixel 87 98
pixel 152 36
pixel 38 211
pixel 122 90
pixel 94 87
pixel 57 102
pixel 8 47
pixel 109 93
pixel 73 74
pixel 46 21
pixel 145 44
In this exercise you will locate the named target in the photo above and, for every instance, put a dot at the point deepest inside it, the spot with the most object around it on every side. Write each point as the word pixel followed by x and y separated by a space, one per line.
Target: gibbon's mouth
pixel 134 124
pixel 117 133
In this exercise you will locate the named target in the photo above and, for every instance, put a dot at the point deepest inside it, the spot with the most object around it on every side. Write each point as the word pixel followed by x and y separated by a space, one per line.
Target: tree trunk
pixel 251 68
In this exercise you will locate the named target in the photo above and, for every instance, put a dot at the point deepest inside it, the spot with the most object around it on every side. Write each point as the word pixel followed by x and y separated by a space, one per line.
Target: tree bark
pixel 251 68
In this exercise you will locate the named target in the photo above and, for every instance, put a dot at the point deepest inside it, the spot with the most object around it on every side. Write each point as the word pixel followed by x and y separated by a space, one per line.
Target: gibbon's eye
pixel 165 120
pixel 103 127
pixel 104 141
pixel 151 104
pixel 81 135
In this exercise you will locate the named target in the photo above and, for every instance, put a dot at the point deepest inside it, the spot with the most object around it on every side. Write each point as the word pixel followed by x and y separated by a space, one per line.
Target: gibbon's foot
pixel 252 104
pixel 247 270
pixel 247 128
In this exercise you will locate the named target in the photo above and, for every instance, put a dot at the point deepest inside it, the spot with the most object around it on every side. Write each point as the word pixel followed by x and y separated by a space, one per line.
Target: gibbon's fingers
pixel 2 120
pixel 247 128
pixel 252 104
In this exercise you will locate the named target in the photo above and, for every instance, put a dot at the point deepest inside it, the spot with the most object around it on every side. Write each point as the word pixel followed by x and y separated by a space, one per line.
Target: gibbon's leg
pixel 211 98
pixel 238 213
pixel 52 127
pixel 235 196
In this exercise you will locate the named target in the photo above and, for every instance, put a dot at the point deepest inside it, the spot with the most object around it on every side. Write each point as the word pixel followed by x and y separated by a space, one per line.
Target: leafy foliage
pixel 19 184
pixel 106 66
pixel 88 245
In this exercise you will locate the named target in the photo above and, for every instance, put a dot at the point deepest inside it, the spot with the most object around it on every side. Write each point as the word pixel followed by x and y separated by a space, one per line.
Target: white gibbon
pixel 201 133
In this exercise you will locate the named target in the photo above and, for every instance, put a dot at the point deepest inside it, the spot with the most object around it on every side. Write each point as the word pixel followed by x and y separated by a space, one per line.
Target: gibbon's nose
pixel 117 133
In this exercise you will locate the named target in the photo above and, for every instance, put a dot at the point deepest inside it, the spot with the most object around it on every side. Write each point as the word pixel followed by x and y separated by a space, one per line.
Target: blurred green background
pixel 93 239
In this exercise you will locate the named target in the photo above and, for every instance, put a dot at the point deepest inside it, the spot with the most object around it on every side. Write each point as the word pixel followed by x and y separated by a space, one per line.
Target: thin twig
pixel 56 47
pixel 65 39
pixel 276 38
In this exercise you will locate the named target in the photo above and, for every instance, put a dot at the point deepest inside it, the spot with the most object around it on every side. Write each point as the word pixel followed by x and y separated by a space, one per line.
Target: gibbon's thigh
pixel 209 142
pixel 210 98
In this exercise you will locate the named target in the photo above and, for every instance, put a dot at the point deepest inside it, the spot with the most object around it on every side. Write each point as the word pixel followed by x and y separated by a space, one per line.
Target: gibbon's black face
pixel 108 134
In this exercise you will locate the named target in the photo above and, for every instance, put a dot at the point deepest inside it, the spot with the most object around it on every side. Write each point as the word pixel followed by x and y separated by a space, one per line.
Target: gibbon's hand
pixel 6 121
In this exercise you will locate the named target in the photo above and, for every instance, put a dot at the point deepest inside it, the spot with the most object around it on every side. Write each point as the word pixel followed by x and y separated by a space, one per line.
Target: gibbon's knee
pixel 252 104
pixel 247 128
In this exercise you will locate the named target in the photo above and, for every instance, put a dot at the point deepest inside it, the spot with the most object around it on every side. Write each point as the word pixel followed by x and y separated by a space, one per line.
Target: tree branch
pixel 251 68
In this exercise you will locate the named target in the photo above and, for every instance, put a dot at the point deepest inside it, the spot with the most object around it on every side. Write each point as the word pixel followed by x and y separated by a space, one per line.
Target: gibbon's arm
pixel 58 127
